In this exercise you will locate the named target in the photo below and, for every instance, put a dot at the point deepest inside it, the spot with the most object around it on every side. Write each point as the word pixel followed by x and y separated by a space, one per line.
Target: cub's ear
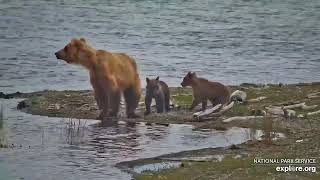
pixel 147 79
pixel 157 78
pixel 189 74
pixel 83 40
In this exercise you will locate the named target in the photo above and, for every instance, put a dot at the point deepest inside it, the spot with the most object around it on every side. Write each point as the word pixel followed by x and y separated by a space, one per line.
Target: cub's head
pixel 152 85
pixel 188 79
pixel 73 52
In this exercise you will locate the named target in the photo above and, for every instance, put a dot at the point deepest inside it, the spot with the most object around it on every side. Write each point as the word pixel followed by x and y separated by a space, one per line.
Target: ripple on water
pixel 56 147
pixel 186 35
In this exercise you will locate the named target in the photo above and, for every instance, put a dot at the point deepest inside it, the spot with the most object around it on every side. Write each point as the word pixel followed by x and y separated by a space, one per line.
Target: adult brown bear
pixel 110 75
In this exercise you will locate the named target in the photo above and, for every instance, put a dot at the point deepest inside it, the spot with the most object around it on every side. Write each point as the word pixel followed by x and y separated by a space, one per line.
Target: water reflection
pixel 54 147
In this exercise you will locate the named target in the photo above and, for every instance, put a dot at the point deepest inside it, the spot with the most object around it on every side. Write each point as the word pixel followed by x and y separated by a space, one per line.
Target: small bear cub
pixel 204 90
pixel 158 90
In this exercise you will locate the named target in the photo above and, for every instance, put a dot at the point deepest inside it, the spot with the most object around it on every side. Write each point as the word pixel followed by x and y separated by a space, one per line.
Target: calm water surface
pixel 257 41
pixel 49 148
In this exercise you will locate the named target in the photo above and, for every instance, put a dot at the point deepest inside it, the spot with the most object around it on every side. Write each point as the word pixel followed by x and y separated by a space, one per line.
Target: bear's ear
pixel 77 43
pixel 147 79
pixel 157 78
pixel 83 40
pixel 193 74
pixel 189 74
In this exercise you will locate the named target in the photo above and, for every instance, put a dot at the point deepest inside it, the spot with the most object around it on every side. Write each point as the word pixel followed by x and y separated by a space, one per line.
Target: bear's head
pixel 188 79
pixel 153 86
pixel 74 52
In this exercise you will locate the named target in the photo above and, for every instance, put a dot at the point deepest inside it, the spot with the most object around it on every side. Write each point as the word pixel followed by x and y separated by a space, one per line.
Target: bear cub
pixel 158 90
pixel 204 90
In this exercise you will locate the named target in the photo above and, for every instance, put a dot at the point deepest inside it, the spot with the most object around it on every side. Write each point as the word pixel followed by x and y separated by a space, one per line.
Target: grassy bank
pixel 302 131
pixel 302 140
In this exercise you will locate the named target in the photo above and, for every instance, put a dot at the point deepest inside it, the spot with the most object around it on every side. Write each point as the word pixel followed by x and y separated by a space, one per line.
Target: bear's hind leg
pixel 147 102
pixel 131 96
pixel 216 101
pixel 204 104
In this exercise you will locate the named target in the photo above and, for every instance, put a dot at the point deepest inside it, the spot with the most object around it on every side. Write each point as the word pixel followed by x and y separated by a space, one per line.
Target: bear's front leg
pixel 147 102
pixel 167 102
pixel 104 110
pixel 160 103
pixel 101 96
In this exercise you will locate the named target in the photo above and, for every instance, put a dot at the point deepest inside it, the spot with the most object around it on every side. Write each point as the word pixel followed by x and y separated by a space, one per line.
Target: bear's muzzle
pixel 57 55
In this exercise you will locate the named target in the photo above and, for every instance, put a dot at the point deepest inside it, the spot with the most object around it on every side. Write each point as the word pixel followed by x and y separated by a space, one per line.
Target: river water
pixel 223 40
pixel 53 148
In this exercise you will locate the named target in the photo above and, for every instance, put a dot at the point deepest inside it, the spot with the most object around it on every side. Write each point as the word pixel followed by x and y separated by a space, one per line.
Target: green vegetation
pixel 228 168
pixel 305 130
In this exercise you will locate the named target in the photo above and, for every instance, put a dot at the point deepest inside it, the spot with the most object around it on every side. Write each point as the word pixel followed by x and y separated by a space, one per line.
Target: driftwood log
pixel 214 111
pixel 313 95
pixel 241 118
pixel 313 113
pixel 207 111
pixel 301 105
pixel 258 99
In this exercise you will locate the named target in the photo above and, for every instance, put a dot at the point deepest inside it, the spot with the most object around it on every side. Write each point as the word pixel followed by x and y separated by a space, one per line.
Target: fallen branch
pixel 258 99
pixel 313 95
pixel 207 112
pixel 300 105
pixel 242 118
pixel 212 112
pixel 313 113
pixel 294 106
pixel 309 107
pixel 224 109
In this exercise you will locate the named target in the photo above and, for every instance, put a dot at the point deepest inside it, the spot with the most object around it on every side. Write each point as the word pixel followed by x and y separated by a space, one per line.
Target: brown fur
pixel 204 90
pixel 110 75
pixel 158 90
